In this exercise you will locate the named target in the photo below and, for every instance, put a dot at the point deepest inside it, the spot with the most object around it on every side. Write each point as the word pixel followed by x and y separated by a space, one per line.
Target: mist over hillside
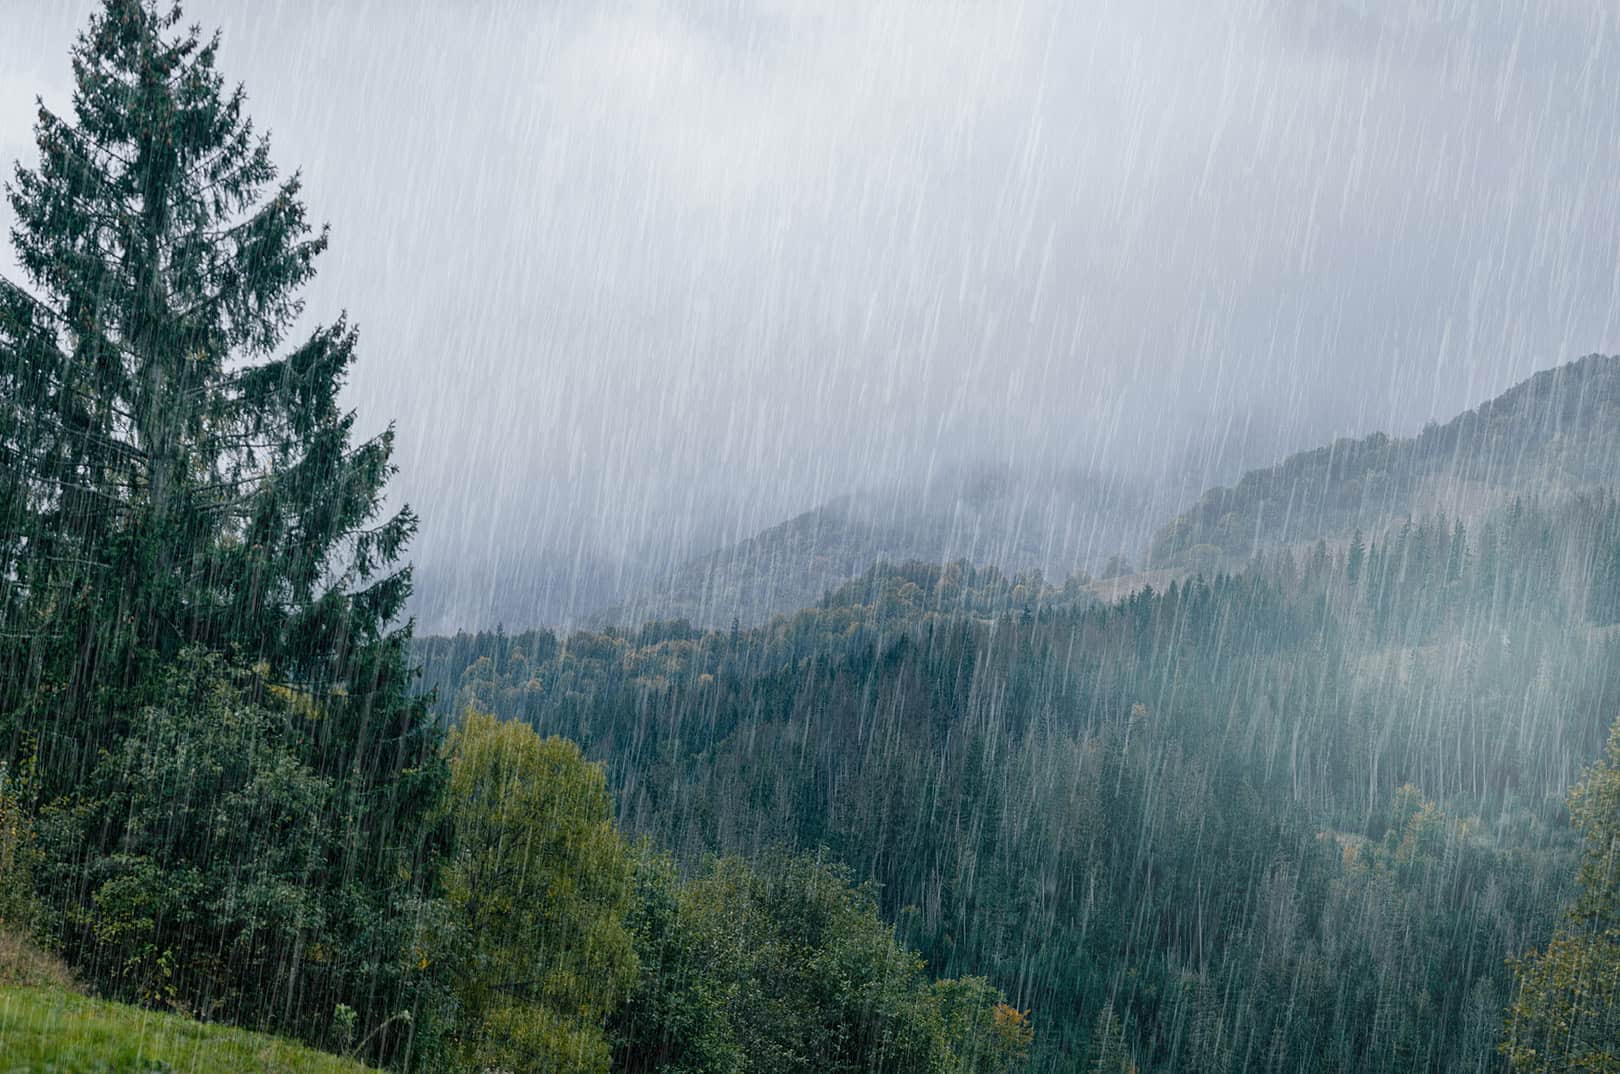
pixel 1557 432
pixel 1055 524
pixel 736 556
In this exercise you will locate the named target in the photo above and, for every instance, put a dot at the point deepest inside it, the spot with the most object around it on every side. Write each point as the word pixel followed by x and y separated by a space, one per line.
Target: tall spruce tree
pixel 170 480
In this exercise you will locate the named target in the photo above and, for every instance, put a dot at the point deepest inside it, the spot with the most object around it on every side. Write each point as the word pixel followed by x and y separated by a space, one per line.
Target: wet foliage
pixel 1336 777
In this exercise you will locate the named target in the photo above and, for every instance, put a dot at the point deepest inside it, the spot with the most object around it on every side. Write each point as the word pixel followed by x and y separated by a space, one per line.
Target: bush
pixel 815 981
pixel 676 1020
pixel 208 888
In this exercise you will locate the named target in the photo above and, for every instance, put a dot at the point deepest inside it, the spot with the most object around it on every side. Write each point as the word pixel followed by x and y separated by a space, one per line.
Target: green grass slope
pixel 55 1031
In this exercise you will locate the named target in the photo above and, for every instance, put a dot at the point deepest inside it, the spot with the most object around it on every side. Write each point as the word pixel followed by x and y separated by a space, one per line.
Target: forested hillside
pixel 1558 430
pixel 1296 817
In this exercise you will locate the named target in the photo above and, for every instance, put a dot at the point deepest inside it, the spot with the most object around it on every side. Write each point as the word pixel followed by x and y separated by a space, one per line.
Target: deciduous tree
pixel 1566 1016
pixel 538 883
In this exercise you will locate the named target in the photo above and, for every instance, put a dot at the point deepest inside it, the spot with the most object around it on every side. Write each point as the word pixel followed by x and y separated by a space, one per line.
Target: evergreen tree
pixel 171 480
pixel 171 483
pixel 1456 553
pixel 1604 606
pixel 1110 1054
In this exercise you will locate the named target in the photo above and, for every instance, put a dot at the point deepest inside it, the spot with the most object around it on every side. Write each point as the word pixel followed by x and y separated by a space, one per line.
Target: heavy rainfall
pixel 763 536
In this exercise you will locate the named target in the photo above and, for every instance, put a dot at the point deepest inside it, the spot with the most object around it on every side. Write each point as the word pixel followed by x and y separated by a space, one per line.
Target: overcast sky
pixel 634 274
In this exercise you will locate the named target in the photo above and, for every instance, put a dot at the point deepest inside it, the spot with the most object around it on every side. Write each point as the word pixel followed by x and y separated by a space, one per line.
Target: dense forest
pixel 1340 797
pixel 1297 817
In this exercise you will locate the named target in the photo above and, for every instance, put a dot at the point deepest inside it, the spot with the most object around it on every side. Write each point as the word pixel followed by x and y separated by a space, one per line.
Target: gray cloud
pixel 637 277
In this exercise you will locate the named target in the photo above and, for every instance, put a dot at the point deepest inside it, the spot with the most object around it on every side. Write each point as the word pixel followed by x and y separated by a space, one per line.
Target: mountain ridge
pixel 1057 524
pixel 1558 430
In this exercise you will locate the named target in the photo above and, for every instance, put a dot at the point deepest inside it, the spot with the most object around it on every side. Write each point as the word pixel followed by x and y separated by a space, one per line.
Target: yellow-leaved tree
pixel 1566 1015
pixel 538 882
